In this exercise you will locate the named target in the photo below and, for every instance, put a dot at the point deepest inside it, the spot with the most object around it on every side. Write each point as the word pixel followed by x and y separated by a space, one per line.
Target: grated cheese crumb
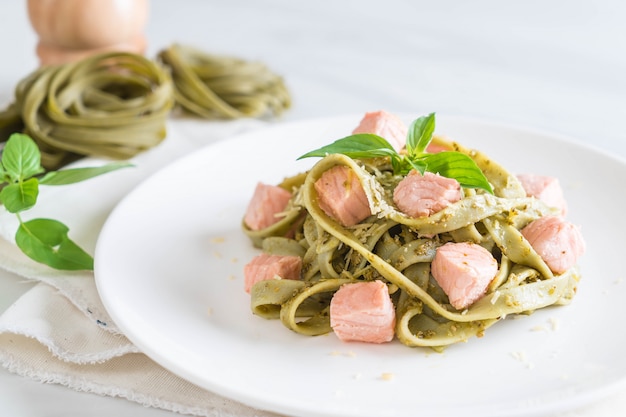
pixel 209 311
pixel 234 260
pixel 387 376
pixel 521 357
pixel 218 240
pixel 232 277
pixel 554 323
pixel 349 353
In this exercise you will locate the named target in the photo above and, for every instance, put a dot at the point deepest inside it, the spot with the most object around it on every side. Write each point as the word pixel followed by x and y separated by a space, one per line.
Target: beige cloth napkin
pixel 59 332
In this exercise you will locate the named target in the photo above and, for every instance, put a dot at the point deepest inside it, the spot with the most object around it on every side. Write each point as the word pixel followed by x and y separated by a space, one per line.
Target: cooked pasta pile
pixel 397 249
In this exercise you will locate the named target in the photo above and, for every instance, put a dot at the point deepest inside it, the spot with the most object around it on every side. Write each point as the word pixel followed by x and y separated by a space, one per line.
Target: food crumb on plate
pixel 349 353
pixel 554 323
pixel 523 358
pixel 387 376
pixel 218 239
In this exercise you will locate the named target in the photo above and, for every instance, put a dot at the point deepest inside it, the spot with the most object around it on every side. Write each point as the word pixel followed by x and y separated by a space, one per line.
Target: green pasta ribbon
pixel 112 105
pixel 214 86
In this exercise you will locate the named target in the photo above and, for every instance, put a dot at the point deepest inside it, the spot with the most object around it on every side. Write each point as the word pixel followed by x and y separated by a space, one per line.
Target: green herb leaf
pixel 4 176
pixel 74 175
pixel 453 165
pixel 21 158
pixel 458 166
pixel 46 241
pixel 420 134
pixel 20 196
pixel 361 145
pixel 419 165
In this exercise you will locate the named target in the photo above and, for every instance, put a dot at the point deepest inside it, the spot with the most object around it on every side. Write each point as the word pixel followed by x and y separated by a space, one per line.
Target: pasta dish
pixel 379 244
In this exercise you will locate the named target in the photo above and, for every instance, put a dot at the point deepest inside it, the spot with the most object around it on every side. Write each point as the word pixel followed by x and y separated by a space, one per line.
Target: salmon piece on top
pixel 558 242
pixel 265 266
pixel 363 312
pixel 545 188
pixel 267 201
pixel 422 195
pixel 463 270
pixel 341 195
pixel 385 125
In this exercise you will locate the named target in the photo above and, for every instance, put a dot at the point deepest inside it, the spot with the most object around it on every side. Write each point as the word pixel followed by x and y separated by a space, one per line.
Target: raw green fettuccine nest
pixel 113 105
pixel 116 105
pixel 213 86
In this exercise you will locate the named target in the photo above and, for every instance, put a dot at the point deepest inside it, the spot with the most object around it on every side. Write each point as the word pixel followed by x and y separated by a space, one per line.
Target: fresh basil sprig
pixel 449 164
pixel 43 240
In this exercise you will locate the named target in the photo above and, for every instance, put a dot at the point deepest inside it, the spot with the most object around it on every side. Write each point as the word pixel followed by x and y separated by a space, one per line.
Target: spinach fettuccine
pixel 113 105
pixel 116 105
pixel 398 249
pixel 219 86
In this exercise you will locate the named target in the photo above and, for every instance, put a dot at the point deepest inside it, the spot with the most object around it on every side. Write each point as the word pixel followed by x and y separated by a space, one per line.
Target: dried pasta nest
pixel 116 104
pixel 214 86
pixel 111 105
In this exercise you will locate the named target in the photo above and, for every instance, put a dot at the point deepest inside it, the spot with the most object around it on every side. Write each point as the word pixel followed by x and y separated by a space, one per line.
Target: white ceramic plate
pixel 169 269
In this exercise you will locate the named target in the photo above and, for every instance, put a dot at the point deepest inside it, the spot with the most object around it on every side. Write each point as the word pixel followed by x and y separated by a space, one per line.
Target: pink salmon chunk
pixel 545 188
pixel 463 270
pixel 341 195
pixel 267 201
pixel 422 195
pixel 385 125
pixel 363 312
pixel 265 266
pixel 558 242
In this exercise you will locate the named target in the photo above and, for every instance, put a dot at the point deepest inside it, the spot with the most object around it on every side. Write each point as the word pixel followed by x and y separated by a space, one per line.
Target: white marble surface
pixel 552 65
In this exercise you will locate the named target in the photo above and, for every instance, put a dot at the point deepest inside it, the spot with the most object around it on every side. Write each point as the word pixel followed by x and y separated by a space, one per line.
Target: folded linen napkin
pixel 59 331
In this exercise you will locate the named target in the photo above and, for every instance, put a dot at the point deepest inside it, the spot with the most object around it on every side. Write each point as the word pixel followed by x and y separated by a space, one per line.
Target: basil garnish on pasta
pixel 450 164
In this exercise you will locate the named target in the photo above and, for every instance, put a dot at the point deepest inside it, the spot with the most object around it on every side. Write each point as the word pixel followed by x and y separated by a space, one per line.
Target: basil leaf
pixel 4 176
pixel 21 158
pixel 20 196
pixel 459 166
pixel 46 241
pixel 418 165
pixel 361 145
pixel 420 134
pixel 74 175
